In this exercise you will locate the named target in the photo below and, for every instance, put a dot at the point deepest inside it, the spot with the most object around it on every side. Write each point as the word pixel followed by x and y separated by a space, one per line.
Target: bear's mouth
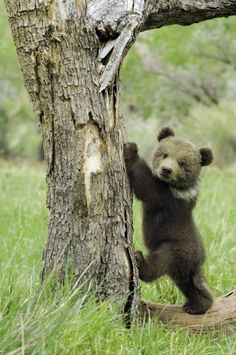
pixel 169 179
pixel 164 177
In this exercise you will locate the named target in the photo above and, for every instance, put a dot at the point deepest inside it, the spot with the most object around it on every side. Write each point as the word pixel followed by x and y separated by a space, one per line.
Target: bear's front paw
pixel 130 152
pixel 139 257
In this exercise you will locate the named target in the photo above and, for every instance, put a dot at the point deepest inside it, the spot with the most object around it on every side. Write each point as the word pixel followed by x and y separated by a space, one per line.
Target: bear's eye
pixel 181 163
pixel 165 156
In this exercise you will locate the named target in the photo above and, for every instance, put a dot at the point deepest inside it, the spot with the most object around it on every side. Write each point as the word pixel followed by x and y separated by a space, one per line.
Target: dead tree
pixel 70 53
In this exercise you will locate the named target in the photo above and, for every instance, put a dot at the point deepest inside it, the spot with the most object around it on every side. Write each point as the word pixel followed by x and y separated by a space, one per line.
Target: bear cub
pixel 168 191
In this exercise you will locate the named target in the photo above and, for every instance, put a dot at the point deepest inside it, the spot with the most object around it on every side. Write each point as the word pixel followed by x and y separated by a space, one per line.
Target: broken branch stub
pixel 119 49
pixel 117 24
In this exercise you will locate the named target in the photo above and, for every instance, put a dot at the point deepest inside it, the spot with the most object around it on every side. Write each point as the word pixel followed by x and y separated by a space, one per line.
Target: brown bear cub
pixel 169 192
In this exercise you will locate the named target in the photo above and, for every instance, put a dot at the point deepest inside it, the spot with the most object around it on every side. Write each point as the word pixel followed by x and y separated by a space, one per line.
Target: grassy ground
pixel 33 323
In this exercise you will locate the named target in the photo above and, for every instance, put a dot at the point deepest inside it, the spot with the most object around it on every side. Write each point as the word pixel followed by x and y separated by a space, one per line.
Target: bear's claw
pixel 139 257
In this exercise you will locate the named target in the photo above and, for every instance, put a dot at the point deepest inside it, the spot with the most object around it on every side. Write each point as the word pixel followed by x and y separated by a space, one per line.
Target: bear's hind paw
pixel 195 308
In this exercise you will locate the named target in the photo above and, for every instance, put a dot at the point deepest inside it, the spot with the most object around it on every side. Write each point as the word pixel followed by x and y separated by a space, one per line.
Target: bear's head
pixel 177 161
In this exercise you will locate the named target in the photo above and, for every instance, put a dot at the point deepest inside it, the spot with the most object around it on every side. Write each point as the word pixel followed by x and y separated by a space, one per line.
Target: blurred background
pixel 184 77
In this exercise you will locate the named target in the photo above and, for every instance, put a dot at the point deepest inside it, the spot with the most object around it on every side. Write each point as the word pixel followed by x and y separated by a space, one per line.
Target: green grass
pixel 33 321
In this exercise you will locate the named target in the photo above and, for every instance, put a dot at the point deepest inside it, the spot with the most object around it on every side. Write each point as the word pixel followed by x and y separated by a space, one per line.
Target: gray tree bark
pixel 185 12
pixel 70 54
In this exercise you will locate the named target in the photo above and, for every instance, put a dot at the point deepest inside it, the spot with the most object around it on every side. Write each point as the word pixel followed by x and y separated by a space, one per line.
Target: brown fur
pixel 170 234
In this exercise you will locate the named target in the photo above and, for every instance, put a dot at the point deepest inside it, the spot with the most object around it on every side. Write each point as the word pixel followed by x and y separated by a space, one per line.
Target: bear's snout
pixel 166 170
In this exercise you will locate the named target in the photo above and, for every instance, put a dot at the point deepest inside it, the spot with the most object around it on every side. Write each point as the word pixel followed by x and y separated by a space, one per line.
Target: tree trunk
pixel 89 201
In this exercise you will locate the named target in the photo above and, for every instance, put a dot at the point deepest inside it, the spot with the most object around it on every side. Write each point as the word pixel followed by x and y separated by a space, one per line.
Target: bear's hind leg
pixel 199 297
pixel 155 265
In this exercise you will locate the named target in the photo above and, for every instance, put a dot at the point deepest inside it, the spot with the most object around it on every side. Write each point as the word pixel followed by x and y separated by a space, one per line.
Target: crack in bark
pixel 130 300
pixel 51 161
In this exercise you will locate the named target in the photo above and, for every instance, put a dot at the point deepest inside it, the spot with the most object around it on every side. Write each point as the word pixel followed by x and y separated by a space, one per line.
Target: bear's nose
pixel 166 170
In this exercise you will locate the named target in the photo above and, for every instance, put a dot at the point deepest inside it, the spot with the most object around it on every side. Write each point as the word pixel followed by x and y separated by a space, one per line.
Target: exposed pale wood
pixel 222 316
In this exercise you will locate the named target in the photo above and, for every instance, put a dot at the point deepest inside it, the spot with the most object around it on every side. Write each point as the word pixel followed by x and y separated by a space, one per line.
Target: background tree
pixel 70 54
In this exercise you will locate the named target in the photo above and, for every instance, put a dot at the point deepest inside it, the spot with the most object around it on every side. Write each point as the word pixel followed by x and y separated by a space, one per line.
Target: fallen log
pixel 221 316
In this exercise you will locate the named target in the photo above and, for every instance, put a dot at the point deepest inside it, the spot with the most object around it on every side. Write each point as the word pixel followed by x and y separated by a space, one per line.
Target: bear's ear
pixel 206 156
pixel 164 133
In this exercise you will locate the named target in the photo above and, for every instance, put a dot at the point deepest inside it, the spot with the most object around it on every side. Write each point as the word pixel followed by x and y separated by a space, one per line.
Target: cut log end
pixel 221 316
